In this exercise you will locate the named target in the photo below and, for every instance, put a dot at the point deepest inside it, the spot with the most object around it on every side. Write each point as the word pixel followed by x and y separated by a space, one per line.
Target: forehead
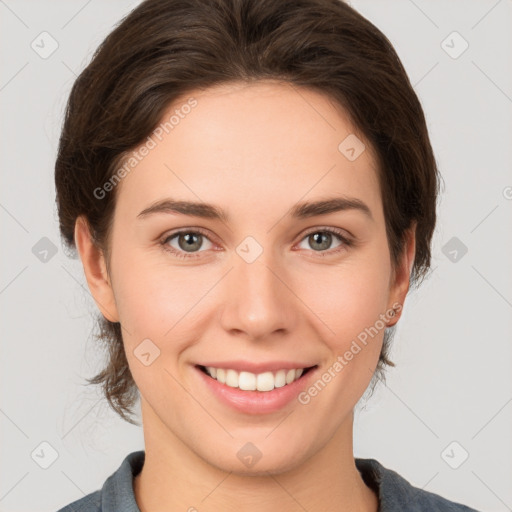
pixel 245 144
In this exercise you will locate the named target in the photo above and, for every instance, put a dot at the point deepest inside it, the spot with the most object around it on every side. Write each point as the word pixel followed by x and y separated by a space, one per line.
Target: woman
pixel 251 189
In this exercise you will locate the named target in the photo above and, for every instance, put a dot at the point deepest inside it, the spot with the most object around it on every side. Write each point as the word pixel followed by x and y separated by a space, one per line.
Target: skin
pixel 255 151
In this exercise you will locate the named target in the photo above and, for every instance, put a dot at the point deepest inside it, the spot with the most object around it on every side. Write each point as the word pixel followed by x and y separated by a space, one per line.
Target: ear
pixel 400 277
pixel 95 270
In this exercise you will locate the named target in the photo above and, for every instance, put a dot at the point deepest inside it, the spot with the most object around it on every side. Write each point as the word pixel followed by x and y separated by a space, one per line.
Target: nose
pixel 259 302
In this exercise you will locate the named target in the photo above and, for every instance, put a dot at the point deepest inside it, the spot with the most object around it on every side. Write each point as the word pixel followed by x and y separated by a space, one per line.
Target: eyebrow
pixel 302 210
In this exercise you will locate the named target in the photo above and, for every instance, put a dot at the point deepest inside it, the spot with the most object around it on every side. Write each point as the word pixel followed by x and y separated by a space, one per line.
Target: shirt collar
pixel 117 491
pixel 393 491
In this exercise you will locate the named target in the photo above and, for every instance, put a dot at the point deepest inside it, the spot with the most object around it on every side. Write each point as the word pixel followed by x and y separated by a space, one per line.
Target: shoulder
pixel 396 493
pixel 117 494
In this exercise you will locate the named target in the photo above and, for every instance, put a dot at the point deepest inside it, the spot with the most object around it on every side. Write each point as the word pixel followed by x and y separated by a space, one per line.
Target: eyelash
pixel 347 242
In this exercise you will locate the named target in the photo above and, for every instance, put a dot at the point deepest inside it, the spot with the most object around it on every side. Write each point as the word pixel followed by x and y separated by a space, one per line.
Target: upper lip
pixel 252 367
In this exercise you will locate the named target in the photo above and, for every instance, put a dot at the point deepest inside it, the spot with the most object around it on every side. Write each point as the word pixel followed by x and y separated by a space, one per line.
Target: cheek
pixel 353 307
pixel 349 298
pixel 146 294
pixel 161 303
pixel 154 306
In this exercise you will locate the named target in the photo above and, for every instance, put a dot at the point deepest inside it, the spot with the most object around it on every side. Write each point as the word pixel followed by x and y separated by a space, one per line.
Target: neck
pixel 176 478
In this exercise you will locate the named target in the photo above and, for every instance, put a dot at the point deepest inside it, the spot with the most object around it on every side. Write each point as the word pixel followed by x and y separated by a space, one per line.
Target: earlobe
pixel 95 270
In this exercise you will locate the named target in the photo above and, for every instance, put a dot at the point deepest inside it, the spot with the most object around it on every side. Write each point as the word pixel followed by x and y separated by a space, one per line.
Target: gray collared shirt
pixel 394 492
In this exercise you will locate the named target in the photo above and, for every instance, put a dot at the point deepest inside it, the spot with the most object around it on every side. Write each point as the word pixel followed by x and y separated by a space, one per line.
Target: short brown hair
pixel 165 48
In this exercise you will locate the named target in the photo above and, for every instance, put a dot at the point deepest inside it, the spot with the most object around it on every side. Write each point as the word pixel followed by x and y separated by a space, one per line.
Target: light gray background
pixel 453 380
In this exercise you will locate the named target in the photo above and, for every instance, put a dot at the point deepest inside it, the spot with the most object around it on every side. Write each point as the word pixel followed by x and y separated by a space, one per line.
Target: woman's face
pixel 269 285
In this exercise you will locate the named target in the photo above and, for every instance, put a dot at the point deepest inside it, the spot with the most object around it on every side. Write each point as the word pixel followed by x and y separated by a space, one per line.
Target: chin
pixel 249 460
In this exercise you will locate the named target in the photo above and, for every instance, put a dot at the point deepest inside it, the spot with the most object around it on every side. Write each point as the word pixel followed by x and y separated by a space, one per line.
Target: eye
pixel 321 239
pixel 185 243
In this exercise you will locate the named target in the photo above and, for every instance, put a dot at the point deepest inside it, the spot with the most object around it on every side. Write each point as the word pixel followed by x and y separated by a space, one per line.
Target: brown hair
pixel 165 48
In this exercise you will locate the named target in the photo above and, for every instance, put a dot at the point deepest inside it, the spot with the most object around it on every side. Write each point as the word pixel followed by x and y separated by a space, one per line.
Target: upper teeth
pixel 248 381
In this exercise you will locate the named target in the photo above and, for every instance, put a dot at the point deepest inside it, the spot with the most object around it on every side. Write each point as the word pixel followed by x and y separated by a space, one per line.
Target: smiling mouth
pixel 247 381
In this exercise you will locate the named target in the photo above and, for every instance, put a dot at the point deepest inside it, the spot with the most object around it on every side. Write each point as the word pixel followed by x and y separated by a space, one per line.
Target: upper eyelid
pixel 202 232
pixel 333 230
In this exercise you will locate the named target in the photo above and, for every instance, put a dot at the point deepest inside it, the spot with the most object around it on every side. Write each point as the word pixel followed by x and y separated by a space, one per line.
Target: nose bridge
pixel 258 302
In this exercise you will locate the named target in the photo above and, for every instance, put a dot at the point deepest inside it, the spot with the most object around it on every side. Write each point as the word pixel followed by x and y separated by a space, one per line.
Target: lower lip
pixel 257 402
